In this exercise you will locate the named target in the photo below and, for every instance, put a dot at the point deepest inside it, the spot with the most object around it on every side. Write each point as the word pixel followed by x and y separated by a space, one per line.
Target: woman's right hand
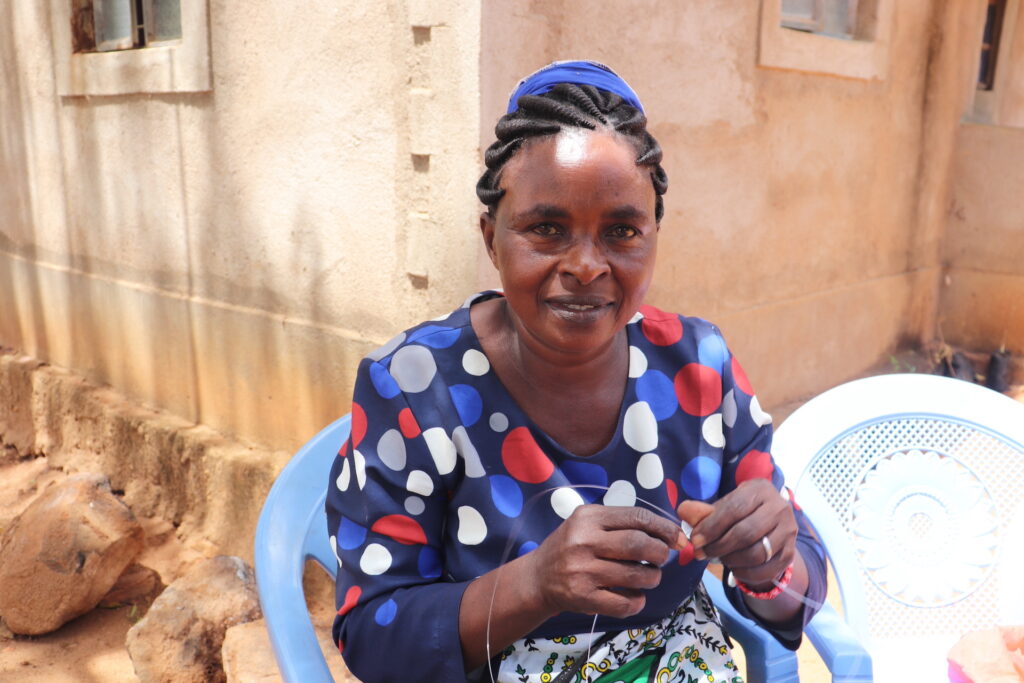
pixel 602 558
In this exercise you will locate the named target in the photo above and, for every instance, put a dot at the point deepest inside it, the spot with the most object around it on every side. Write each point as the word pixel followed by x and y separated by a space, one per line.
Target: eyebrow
pixel 619 213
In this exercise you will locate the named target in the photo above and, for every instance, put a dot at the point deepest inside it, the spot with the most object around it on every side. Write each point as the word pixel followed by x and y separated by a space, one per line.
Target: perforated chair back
pixel 915 484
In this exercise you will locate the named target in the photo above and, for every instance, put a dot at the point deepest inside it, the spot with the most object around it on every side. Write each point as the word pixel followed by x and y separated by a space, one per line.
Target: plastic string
pixel 667 514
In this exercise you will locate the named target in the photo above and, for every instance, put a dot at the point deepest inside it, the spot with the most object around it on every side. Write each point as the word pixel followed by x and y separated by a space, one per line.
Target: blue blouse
pixel 444 478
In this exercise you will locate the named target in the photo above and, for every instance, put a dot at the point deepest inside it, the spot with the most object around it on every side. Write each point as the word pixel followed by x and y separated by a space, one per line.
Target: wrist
pixel 764 591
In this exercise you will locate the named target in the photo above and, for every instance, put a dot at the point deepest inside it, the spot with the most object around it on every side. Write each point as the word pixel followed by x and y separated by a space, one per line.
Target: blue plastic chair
pixel 292 529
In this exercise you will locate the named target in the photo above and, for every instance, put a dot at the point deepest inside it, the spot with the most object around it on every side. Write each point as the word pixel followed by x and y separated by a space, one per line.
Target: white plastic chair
pixel 916 486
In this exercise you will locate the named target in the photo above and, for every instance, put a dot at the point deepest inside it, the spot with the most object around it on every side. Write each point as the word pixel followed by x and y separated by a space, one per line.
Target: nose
pixel 584 261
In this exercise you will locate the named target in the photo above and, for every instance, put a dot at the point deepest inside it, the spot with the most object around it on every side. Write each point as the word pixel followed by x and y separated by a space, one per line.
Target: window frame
pixel 176 66
pixel 865 56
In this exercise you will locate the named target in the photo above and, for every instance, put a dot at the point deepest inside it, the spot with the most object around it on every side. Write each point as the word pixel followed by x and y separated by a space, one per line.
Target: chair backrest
pixel 915 484
pixel 292 529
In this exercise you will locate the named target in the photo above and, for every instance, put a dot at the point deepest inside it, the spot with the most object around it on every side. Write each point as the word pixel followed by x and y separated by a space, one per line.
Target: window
pixel 105 25
pixel 990 43
pixel 120 47
pixel 836 18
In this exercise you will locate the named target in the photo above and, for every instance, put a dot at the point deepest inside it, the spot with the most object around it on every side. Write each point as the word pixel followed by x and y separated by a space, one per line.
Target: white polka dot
pixel 759 417
pixel 375 560
pixel 414 505
pixel 345 477
pixel 442 450
pixel 564 501
pixel 640 428
pixel 637 317
pixel 637 362
pixel 475 363
pixel 413 367
pixel 391 450
pixel 649 472
pixel 498 422
pixel 712 430
pixel 419 482
pixel 464 447
pixel 389 346
pixel 472 528
pixel 359 465
pixel 334 548
pixel 621 493
pixel 729 409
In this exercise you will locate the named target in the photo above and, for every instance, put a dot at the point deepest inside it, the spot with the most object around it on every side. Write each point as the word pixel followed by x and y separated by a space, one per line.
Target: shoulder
pixel 678 339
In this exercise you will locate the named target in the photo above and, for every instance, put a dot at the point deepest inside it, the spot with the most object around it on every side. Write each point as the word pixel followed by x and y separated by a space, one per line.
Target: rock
pixel 180 638
pixel 61 555
pixel 249 658
pixel 137 584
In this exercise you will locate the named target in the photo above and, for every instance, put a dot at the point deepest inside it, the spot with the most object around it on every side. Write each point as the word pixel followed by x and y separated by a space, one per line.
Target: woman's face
pixel 574 239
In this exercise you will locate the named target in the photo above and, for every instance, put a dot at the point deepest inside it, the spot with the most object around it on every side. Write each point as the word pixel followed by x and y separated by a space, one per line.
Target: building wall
pixel 230 255
pixel 802 212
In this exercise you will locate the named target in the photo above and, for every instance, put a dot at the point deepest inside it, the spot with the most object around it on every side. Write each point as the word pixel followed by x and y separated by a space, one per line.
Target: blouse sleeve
pixel 748 436
pixel 398 620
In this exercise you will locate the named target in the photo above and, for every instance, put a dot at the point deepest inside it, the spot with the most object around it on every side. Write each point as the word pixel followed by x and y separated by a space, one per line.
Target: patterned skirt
pixel 689 645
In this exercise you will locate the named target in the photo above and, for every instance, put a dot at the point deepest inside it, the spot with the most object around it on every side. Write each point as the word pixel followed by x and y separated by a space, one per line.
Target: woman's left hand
pixel 733 528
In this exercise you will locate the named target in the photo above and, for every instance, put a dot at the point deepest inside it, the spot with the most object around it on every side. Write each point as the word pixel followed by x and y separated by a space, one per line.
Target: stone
pixel 180 638
pixel 61 555
pixel 136 585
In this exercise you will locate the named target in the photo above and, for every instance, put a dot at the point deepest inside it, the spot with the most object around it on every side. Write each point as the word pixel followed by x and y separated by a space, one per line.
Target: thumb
pixel 694 511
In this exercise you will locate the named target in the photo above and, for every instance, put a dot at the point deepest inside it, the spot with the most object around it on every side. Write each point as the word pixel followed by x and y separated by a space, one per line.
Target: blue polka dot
pixel 383 382
pixel 435 337
pixel 350 534
pixel 701 477
pixel 712 352
pixel 525 548
pixel 507 496
pixel 656 389
pixel 429 563
pixel 386 613
pixel 467 402
pixel 586 473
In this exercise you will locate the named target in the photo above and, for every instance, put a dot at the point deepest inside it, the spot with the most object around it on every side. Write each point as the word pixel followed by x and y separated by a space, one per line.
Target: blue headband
pixel 578 72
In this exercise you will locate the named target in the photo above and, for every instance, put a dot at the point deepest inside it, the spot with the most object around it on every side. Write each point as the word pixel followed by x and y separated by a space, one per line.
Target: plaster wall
pixel 983 296
pixel 230 255
pixel 804 212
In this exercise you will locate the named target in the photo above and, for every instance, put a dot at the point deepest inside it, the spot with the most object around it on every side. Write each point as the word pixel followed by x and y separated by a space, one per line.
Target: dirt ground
pixel 91 649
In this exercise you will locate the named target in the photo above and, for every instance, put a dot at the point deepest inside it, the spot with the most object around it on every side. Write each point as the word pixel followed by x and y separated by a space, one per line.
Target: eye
pixel 623 232
pixel 545 230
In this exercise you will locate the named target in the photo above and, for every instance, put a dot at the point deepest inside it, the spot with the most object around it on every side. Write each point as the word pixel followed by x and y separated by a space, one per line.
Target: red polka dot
pixel 660 328
pixel 740 378
pixel 699 389
pixel 405 530
pixel 351 600
pixel 792 499
pixel 673 493
pixel 358 424
pixel 343 451
pixel 754 465
pixel 407 423
pixel 686 554
pixel 523 458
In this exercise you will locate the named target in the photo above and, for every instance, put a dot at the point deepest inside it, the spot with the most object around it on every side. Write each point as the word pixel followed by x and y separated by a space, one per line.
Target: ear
pixel 487 228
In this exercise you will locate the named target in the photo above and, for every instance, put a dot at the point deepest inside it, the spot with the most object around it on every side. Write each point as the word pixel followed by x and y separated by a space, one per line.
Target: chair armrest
pixel 837 644
pixel 767 660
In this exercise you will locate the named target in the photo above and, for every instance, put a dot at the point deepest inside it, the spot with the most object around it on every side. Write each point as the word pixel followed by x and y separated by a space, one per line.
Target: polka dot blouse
pixel 445 478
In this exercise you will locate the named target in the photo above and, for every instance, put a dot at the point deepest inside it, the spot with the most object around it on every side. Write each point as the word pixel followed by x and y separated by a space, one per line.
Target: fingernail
pixel 682 541
pixel 697 540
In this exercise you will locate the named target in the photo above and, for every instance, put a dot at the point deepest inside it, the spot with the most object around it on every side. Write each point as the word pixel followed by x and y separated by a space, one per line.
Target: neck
pixel 548 368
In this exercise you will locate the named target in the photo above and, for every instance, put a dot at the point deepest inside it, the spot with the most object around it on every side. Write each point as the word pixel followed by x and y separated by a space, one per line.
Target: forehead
pixel 577 165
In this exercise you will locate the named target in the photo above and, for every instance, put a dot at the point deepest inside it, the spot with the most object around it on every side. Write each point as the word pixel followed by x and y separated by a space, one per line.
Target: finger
pixel 633 545
pixel 628 575
pixel 765 575
pixel 617 603
pixel 642 519
pixel 729 510
pixel 745 536
pixel 693 512
pixel 755 555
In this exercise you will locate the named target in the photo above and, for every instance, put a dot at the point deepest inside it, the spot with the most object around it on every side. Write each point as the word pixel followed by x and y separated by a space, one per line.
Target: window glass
pixel 113 24
pixel 166 20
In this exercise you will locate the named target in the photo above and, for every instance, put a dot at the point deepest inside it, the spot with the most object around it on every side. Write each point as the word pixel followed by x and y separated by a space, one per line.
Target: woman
pixel 485 509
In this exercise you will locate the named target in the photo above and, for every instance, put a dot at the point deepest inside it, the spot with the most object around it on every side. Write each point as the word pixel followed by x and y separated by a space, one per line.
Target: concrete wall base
pixel 189 474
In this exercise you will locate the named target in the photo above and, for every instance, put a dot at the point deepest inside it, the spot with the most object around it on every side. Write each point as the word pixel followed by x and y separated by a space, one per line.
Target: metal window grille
pixel 990 43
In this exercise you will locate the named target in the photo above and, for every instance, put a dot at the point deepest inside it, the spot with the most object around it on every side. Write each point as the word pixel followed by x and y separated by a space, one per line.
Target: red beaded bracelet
pixel 775 592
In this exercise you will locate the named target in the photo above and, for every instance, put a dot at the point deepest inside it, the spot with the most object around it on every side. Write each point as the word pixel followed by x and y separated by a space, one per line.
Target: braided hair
pixel 579 106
